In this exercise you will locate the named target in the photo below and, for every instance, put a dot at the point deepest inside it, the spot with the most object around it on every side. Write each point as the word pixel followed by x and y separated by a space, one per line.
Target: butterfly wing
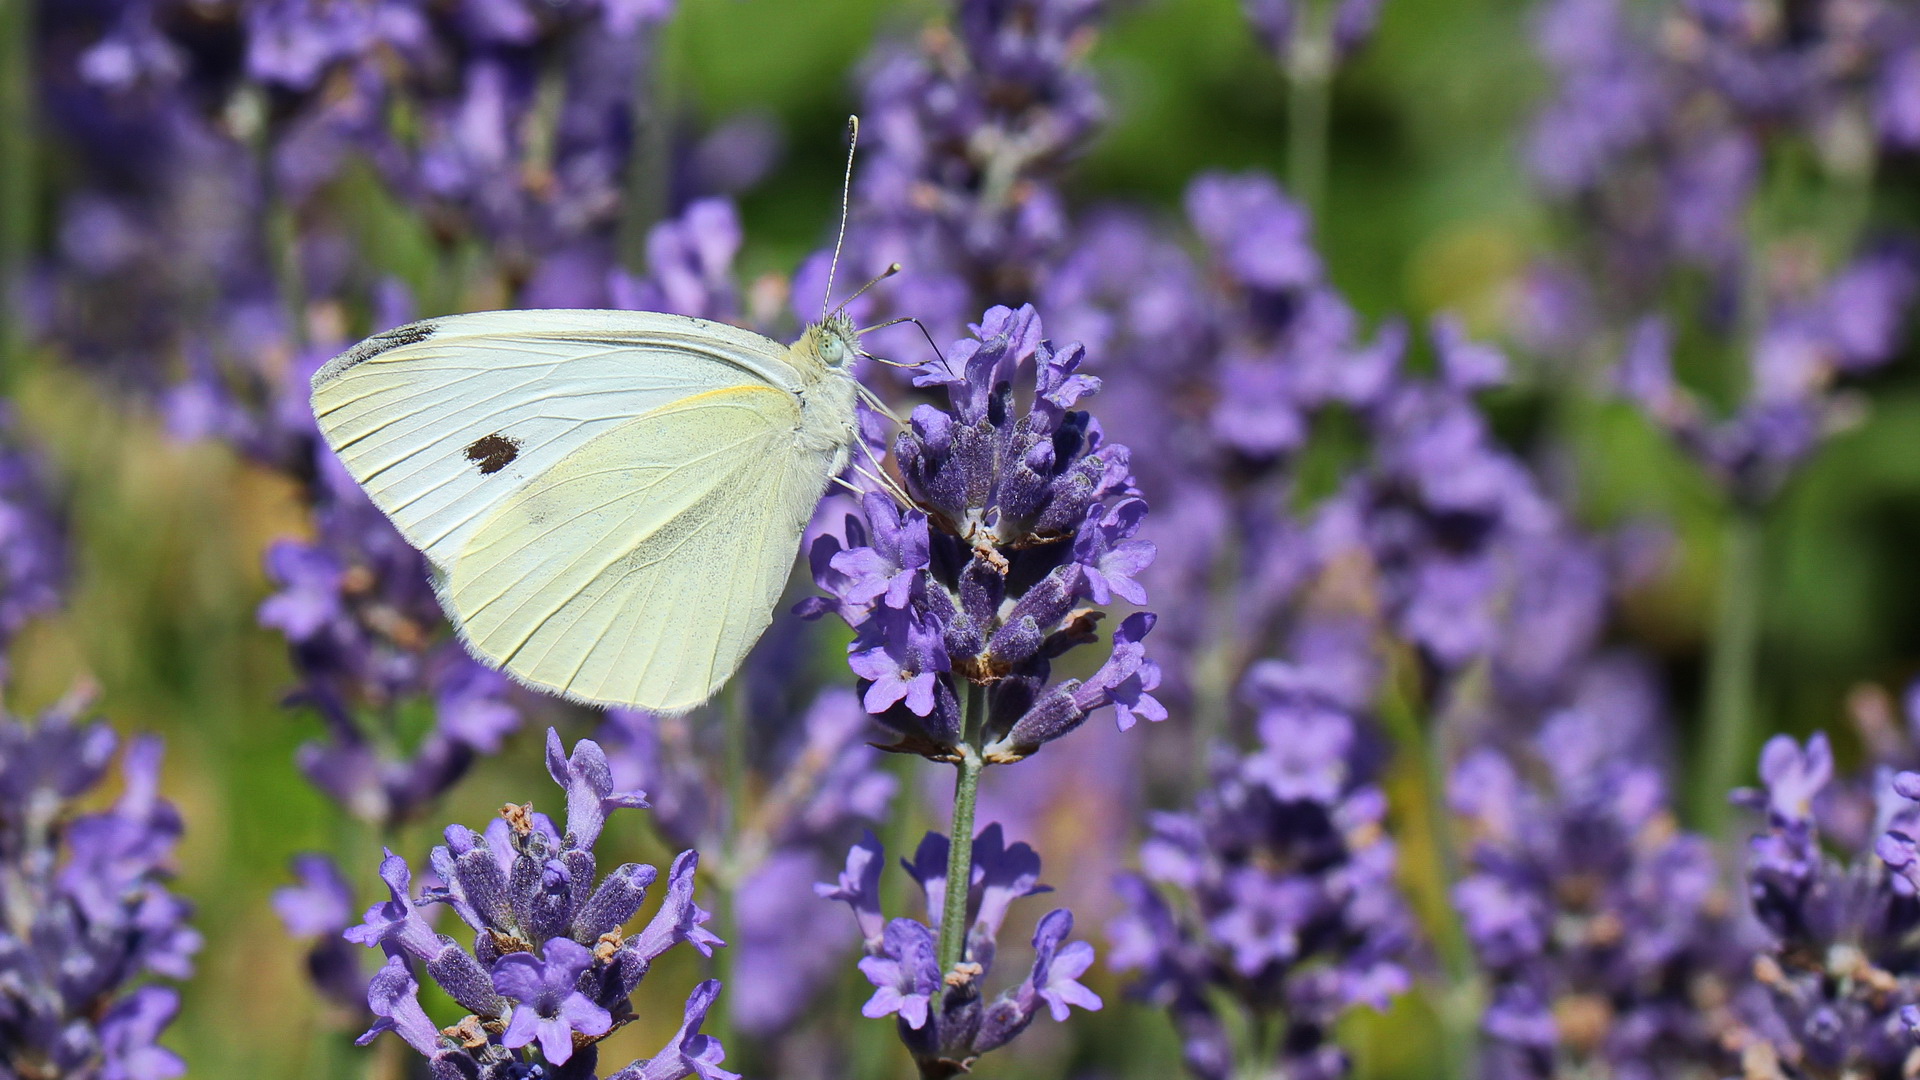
pixel 443 421
pixel 640 569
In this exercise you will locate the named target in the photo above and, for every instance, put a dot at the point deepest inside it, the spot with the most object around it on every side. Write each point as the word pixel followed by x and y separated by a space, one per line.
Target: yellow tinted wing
pixel 639 570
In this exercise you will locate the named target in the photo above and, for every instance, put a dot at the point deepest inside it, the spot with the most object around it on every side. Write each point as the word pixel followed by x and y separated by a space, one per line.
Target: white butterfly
pixel 612 500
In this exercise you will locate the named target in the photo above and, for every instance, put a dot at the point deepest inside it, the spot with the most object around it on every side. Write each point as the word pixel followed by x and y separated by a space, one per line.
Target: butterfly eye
pixel 839 342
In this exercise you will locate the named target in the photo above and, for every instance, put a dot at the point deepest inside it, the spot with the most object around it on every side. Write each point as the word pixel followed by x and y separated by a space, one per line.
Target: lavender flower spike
pixel 87 910
pixel 1012 532
pixel 1273 901
pixel 1021 528
pixel 1837 988
pixel 551 970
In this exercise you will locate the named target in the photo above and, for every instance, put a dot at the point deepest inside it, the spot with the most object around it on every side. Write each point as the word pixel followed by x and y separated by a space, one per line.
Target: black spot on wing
pixel 493 453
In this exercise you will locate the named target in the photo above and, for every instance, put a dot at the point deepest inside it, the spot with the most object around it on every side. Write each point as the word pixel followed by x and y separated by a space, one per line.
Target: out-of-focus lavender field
pixel 1411 526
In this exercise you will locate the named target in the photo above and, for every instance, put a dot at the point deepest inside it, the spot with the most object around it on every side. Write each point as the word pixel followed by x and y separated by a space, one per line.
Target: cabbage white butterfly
pixel 612 500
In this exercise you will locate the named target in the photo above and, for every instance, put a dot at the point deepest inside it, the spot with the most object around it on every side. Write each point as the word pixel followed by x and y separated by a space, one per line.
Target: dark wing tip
pixel 385 341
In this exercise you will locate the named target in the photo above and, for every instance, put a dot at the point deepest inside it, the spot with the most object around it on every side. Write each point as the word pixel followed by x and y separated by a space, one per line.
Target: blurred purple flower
pixel 1275 895
pixel 965 137
pixel 1834 976
pixel 32 548
pixel 90 911
pixel 1660 139
pixel 320 906
pixel 1601 925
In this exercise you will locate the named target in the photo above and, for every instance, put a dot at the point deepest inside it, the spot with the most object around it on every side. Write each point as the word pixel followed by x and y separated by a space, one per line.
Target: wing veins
pixel 626 551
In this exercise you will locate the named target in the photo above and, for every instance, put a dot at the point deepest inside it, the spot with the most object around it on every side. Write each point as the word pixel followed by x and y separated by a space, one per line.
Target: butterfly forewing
pixel 442 421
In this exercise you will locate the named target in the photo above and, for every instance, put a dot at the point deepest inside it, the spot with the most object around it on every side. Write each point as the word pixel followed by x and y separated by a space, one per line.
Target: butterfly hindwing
pixel 641 568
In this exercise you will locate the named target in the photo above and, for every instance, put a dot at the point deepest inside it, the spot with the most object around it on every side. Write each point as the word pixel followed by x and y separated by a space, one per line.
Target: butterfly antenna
pixel 846 200
pixel 892 269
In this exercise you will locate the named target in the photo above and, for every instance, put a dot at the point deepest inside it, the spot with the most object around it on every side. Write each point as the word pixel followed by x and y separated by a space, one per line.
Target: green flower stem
pixel 1218 662
pixel 17 179
pixel 1460 1000
pixel 1309 75
pixel 966 789
pixel 953 920
pixel 657 99
pixel 1728 743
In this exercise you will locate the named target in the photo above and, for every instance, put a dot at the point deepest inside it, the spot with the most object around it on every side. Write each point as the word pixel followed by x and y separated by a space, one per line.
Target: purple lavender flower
pixel 1220 371
pixel 1605 930
pixel 1835 988
pixel 1659 138
pixel 552 968
pixel 1470 557
pixel 945 1020
pixel 32 551
pixel 1016 520
pixel 320 906
pixel 966 138
pixel 86 909
pixel 550 1009
pixel 1275 895
pixel 1848 326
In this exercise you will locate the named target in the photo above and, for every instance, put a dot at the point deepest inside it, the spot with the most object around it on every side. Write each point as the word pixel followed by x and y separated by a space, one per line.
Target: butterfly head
pixel 839 341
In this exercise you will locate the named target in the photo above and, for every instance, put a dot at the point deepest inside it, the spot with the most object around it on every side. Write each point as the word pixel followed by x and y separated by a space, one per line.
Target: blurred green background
pixel 1428 207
